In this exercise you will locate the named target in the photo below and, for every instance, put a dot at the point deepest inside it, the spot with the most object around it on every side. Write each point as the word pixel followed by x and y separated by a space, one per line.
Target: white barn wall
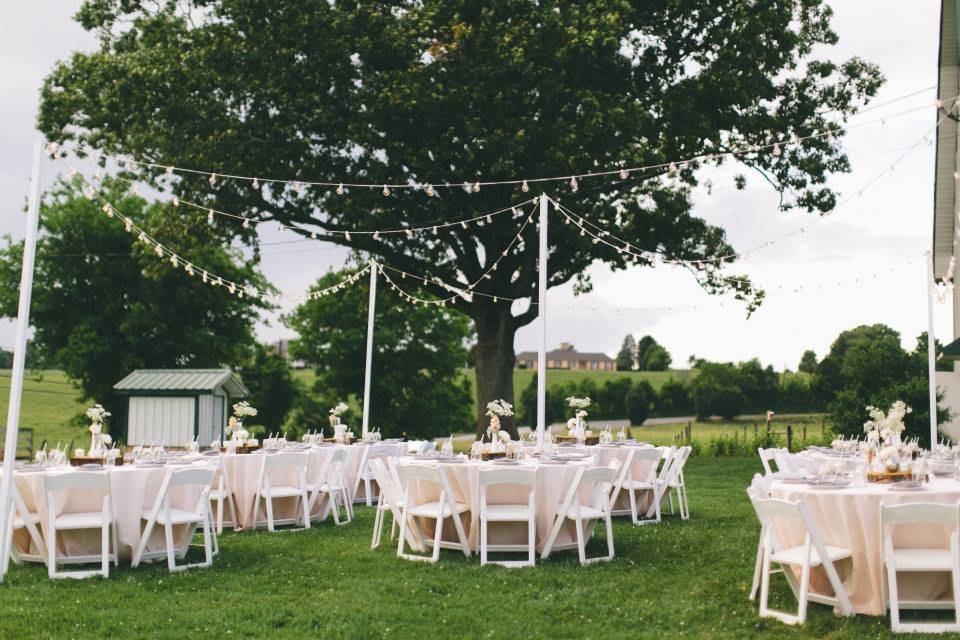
pixel 154 419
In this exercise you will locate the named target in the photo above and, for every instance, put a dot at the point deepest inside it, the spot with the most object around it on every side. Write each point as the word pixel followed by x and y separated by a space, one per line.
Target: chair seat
pixel 281 492
pixel 177 516
pixel 922 560
pixel 325 488
pixel 508 512
pixel 794 555
pixel 638 485
pixel 585 512
pixel 219 494
pixel 81 520
pixel 433 509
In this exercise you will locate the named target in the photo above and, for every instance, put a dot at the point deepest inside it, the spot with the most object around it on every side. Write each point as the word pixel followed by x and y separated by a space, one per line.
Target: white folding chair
pixel 812 553
pixel 600 481
pixel 20 517
pixel 389 499
pixel 768 455
pixel 513 512
pixel 200 479
pixel 87 481
pixel 902 560
pixel 365 475
pixel 622 474
pixel 267 491
pixel 652 482
pixel 427 446
pixel 440 509
pixel 332 482
pixel 759 489
pixel 221 493
pixel 675 483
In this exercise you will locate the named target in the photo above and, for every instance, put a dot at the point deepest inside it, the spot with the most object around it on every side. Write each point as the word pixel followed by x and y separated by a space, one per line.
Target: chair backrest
pixel 920 512
pixel 54 482
pixel 426 473
pixel 644 464
pixel 381 450
pixel 201 476
pixel 766 455
pixel 600 481
pixel 759 488
pixel 667 455
pixel 295 459
pixel 427 446
pixel 524 477
pixel 389 487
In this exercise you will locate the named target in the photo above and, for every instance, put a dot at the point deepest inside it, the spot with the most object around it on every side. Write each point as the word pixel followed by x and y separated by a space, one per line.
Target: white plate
pixel 504 462
pixel 908 485
pixel 829 485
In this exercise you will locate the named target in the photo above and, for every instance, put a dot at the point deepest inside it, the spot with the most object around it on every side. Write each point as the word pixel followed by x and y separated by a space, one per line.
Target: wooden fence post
pixel 789 437
pixel 804 433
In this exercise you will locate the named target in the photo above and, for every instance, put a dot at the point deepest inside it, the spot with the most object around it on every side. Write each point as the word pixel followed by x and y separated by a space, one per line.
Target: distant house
pixel 566 357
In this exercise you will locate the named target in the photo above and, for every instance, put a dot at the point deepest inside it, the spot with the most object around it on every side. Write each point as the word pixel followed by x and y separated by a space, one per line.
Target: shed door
pixel 156 420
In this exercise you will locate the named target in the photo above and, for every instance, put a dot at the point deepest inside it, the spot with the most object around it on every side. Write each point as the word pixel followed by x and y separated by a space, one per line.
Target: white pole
pixel 371 309
pixel 542 312
pixel 19 353
pixel 931 352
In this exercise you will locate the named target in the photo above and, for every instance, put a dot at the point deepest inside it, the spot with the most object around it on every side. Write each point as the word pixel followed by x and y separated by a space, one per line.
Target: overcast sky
pixel 861 265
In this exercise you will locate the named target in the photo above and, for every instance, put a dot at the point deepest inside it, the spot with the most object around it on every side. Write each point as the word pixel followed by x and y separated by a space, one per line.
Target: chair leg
pixel 581 545
pixel 377 519
pixel 51 551
pixel 304 506
pixel 764 580
pixel 757 568
pixel 207 544
pixel 437 536
pixel 269 502
pixel 532 536
pixel 633 505
pixel 403 533
pixel 483 538
pixel 804 590
pixel 220 515
pixel 116 546
pixel 367 491
pixel 609 537
pixel 894 598
pixel 105 549
pixel 168 536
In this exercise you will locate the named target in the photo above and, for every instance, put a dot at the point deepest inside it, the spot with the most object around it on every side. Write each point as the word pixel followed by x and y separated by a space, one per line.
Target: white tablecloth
pixel 850 517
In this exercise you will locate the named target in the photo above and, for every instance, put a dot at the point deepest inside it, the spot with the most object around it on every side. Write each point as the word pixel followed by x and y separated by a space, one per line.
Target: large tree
pixel 455 91
pixel 104 304
pixel 418 385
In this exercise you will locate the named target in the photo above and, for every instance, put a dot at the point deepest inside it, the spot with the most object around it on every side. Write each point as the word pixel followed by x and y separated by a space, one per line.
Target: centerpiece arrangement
pixel 341 434
pixel 888 458
pixel 499 438
pixel 577 426
pixel 240 437
pixel 100 443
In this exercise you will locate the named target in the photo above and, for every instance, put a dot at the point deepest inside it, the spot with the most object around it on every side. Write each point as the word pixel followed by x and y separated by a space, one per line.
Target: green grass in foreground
pixel 686 579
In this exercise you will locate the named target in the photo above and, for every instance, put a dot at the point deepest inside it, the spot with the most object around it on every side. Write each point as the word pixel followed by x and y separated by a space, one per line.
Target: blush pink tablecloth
pixel 850 517
pixel 133 490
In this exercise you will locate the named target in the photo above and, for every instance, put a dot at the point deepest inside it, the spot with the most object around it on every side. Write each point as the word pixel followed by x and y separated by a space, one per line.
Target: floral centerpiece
pixel 339 429
pixel 886 426
pixel 99 441
pixel 496 410
pixel 241 410
pixel 576 424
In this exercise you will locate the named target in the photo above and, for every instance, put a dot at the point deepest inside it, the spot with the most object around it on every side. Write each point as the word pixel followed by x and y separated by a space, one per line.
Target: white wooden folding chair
pixel 653 482
pixel 902 560
pixel 513 512
pixel 770 455
pixel 200 480
pixel 676 484
pixel 20 517
pixel 759 489
pixel 389 499
pixel 87 481
pixel 427 446
pixel 365 475
pixel 332 482
pixel 221 493
pixel 812 553
pixel 294 462
pixel 440 509
pixel 599 481
pixel 623 472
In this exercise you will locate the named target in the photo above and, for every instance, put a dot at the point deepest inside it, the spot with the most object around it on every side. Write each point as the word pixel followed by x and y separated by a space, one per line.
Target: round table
pixel 850 517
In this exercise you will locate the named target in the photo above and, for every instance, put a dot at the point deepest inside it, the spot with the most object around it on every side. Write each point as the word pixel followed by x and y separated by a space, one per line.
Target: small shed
pixel 174 406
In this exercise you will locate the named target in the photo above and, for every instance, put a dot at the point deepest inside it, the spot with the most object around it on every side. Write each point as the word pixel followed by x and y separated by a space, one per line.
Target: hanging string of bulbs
pixel 474 185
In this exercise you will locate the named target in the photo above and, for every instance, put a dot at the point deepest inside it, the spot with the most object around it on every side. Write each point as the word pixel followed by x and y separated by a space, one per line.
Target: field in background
pixel 49 403
pixel 702 432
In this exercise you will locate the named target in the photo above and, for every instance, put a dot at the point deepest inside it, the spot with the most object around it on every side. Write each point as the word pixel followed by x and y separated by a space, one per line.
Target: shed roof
pixel 182 380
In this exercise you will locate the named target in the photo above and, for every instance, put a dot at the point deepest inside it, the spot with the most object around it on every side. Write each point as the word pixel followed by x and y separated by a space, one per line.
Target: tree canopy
pixel 418 387
pixel 453 92
pixel 627 353
pixel 103 304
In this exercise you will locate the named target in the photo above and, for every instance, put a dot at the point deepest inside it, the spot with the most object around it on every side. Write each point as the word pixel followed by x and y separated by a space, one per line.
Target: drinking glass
pixel 918 470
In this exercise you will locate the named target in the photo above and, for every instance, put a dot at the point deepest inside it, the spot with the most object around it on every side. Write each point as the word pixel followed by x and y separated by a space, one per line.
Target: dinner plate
pixel 504 462
pixel 91 466
pixel 828 485
pixel 907 485
pixel 450 460
pixel 573 456
pixel 553 461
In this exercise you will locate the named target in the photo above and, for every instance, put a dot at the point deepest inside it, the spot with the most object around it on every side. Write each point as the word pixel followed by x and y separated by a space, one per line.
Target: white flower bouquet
pixel 243 410
pixel 339 410
pixel 500 408
pixel 886 425
pixel 97 413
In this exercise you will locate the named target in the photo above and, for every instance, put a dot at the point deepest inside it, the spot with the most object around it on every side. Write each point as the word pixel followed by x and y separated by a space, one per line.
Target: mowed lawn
pixel 49 402
pixel 748 426
pixel 679 579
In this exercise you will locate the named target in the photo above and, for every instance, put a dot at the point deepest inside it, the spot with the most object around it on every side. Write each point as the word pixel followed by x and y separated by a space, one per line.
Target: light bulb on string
pixel 256 183
pixel 386 190
pixel 176 201
pixel 135 189
pixel 434 231
pixel 189 269
pixel 173 261
pixel 489 219
pixel 210 216
pixel 463 224
pixel 476 187
pixel 128 225
pixel 525 187
pixel 347 234
pixel 158 250
pixel 624 174
pixel 142 237
pixel 246 223
pixel 313 235
pixel 672 168
pixel 203 276
pixel 574 185
pixel 776 149
pixel 169 171
pixel 376 235
pixel 232 288
pixel 213 179
pixel 430 191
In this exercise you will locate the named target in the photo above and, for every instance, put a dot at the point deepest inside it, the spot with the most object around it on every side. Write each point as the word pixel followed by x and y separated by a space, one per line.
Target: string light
pixel 430 191
pixel 386 190
pixel 213 179
pixel 525 187
pixel 256 184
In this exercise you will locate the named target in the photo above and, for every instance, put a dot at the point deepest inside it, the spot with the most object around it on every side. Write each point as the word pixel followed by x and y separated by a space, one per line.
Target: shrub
pixel 637 403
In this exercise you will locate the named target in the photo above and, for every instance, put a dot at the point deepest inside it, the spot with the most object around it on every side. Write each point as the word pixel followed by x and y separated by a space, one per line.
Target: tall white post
pixel 542 314
pixel 931 351
pixel 19 355
pixel 371 309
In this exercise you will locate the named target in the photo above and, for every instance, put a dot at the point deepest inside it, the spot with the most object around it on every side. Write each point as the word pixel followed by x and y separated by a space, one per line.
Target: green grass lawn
pixel 49 402
pixel 663 434
pixel 687 579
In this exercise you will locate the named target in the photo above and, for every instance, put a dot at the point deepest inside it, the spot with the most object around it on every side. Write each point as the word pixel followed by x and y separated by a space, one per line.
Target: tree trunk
pixel 494 360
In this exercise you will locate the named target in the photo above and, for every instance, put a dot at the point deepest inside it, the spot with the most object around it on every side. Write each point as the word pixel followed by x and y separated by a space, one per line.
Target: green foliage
pixel 104 304
pixel 637 402
pixel 867 365
pixel 418 353
pixel 608 401
pixel 433 92
pixel 808 362
pixel 716 390
pixel 626 354
pixel 273 390
pixel 674 398
pixel 652 356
